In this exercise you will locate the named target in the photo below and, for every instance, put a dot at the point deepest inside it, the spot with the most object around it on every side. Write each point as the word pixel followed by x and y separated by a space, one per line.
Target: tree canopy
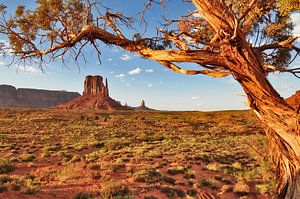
pixel 57 28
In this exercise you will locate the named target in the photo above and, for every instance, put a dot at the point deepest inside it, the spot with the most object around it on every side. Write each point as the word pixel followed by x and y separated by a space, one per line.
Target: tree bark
pixel 279 120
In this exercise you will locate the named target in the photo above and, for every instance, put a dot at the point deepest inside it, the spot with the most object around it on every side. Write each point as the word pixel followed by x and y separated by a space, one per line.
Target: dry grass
pixel 133 154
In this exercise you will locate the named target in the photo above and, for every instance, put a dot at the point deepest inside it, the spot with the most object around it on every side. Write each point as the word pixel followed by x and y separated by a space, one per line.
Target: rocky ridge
pixel 11 96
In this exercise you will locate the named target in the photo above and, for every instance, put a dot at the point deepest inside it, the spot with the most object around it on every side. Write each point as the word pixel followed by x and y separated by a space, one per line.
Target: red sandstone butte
pixel 95 96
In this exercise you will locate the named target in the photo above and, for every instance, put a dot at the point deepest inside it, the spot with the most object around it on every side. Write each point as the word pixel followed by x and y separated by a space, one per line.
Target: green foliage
pixel 287 6
pixel 148 176
pixel 114 189
pixel 5 166
pixel 27 157
pixel 83 195
pixel 47 17
pixel 241 188
pixel 25 185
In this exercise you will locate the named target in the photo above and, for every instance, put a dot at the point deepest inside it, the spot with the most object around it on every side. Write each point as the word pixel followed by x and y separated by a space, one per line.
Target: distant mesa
pixel 294 100
pixel 11 96
pixel 95 96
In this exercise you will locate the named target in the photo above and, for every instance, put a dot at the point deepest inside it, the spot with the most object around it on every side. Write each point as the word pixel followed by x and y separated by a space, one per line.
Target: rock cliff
pixel 95 96
pixel 294 100
pixel 33 98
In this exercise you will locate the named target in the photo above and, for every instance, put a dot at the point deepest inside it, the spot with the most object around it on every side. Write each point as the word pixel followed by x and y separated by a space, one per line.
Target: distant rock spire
pixel 142 103
pixel 106 88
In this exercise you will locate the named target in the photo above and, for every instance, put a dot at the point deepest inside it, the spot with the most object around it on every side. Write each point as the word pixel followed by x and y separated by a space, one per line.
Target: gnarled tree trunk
pixel 279 120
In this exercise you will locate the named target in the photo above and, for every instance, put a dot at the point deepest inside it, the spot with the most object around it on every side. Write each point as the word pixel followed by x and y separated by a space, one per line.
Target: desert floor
pixel 131 154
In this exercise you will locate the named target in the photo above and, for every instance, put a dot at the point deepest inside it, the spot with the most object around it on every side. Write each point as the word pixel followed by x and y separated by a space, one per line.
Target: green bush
pixel 5 166
pixel 83 196
pixel 27 157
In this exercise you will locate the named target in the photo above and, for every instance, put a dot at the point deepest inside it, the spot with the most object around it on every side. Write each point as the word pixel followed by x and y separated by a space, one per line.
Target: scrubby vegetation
pixel 77 154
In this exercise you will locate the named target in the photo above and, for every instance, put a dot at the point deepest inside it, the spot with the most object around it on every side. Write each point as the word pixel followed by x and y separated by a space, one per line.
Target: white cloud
pixel 98 63
pixel 112 72
pixel 125 57
pixel 127 84
pixel 120 75
pixel 110 59
pixel 296 21
pixel 116 50
pixel 2 63
pixel 195 97
pixel 149 70
pixel 150 85
pixel 135 71
pixel 196 15
pixel 5 48
pixel 29 69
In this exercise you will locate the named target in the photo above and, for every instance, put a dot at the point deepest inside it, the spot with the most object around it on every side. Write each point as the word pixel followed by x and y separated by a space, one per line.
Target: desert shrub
pixel 191 192
pixel 93 166
pixel 29 187
pixel 148 176
pixel 241 188
pixel 92 156
pixel 52 148
pixel 114 189
pixel 76 158
pixel 205 183
pixel 83 195
pixel 172 192
pixel 5 166
pixel 168 179
pixel 26 186
pixel 267 187
pixel 213 167
pixel 98 144
pixel 169 191
pixel 176 170
pixel 82 117
pixel 150 197
pixel 116 143
pixel 27 157
pixel 4 179
pixel 237 165
pixel 155 154
pixel 2 188
pixel 96 175
pixel 13 159
pixel 226 188
pixel 189 174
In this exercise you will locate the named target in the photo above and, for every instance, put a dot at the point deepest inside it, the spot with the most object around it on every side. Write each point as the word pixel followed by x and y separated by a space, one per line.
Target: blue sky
pixel 132 79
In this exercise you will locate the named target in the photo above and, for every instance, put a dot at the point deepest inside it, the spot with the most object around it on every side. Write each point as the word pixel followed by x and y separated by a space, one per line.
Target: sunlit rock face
pixel 294 100
pixel 93 85
pixel 95 96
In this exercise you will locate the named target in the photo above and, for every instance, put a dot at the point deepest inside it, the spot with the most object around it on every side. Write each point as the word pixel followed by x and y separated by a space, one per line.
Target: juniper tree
pixel 245 39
